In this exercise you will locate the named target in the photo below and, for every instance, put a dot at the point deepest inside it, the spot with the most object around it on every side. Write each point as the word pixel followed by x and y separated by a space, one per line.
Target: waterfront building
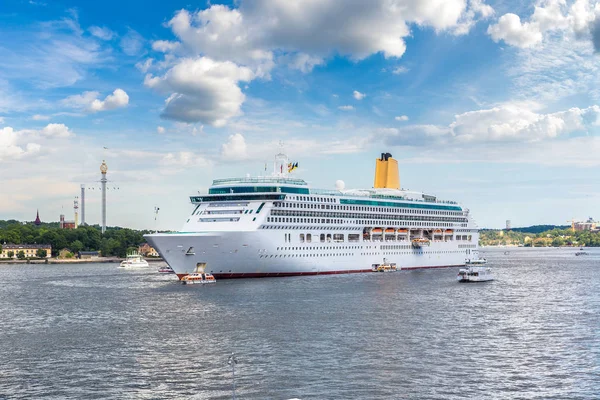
pixel 29 250
pixel 589 225
pixel 88 255
pixel 66 224
pixel 147 251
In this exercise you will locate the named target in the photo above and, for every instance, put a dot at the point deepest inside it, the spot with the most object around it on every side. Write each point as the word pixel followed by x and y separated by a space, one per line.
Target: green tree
pixel 10 254
pixel 41 253
pixel 21 255
pixel 558 242
pixel 76 246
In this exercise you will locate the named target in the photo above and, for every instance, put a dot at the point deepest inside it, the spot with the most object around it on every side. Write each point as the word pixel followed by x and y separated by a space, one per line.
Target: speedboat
pixel 475 274
pixel 198 277
pixel 134 260
pixel 166 270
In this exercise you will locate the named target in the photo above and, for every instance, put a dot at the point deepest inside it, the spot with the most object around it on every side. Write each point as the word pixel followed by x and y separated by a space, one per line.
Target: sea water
pixel 92 331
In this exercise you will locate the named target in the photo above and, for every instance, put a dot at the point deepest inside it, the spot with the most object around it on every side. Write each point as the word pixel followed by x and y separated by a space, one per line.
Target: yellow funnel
pixel 386 172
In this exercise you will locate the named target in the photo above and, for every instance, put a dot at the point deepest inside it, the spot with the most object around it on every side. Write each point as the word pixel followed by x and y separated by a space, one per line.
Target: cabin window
pixel 302 238
pixel 322 237
pixel 308 238
pixel 329 237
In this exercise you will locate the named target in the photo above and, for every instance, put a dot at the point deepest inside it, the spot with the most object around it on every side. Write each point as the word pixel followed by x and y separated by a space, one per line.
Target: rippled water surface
pixel 91 332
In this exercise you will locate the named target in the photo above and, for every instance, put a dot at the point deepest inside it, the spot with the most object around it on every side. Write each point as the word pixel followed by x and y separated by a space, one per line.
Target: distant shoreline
pixel 101 260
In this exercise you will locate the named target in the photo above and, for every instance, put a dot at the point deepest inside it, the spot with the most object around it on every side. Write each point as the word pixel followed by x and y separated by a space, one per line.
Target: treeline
pixel 115 241
pixel 554 237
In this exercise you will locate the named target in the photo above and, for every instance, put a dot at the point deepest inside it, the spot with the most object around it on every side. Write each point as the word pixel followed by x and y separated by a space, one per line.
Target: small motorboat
pixel 198 277
pixel 476 261
pixel 581 253
pixel 166 270
pixel 475 274
pixel 134 260
pixel 385 267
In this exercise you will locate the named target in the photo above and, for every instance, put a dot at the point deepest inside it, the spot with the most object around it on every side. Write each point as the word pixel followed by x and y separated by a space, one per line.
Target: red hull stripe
pixel 282 274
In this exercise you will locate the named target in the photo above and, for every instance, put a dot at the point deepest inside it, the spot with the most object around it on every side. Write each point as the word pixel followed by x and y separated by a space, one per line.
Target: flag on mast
pixel 292 166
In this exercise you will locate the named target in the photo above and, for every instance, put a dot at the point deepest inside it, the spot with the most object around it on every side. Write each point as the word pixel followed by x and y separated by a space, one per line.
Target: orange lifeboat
pixel 376 230
pixel 390 230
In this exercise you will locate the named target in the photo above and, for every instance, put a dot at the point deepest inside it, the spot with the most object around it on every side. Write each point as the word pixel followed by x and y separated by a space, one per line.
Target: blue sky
pixel 492 104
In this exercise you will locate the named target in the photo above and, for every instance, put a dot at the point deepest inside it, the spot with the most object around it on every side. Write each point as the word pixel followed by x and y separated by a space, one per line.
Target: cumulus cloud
pixel 101 32
pixel 56 130
pixel 89 101
pixel 401 118
pixel 144 66
pixel 234 148
pixel 358 95
pixel 578 21
pixel 346 108
pixel 510 122
pixel 302 34
pixel 10 146
pixel 202 90
pixel 510 29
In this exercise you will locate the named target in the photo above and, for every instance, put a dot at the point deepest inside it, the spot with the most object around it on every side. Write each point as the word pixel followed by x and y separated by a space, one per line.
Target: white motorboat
pixel 477 261
pixel 134 260
pixel 475 274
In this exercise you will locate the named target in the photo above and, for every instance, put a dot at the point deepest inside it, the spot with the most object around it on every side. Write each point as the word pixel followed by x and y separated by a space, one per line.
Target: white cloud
pixel 401 118
pixel 510 29
pixel 510 122
pixel 165 46
pixel 56 130
pixel 358 95
pixel 234 148
pixel 144 66
pixel 302 34
pixel 89 101
pixel 101 32
pixel 160 129
pixel 39 117
pixel 132 43
pixel 10 147
pixel 346 108
pixel 400 70
pixel 305 62
pixel 576 21
pixel 202 90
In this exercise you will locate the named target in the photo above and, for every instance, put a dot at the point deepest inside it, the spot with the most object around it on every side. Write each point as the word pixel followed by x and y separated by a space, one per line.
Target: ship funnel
pixel 386 172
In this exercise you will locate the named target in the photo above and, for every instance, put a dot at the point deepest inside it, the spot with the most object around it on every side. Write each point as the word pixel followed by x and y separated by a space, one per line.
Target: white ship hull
pixel 261 254
pixel 278 226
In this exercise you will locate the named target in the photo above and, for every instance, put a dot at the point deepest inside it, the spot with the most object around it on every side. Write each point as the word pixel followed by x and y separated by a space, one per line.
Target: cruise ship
pixel 278 225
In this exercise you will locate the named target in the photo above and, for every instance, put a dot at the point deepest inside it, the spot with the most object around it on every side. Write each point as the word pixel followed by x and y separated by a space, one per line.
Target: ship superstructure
pixel 279 226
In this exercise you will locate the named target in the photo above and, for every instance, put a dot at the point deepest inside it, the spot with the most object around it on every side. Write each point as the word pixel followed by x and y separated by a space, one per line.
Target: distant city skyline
pixel 493 104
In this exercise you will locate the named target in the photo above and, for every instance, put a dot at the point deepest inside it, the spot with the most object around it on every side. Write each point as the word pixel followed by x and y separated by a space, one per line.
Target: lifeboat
pixel 390 230
pixel 449 231
pixel 438 231
pixel 403 231
pixel 377 230
pixel 198 278
pixel 420 242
